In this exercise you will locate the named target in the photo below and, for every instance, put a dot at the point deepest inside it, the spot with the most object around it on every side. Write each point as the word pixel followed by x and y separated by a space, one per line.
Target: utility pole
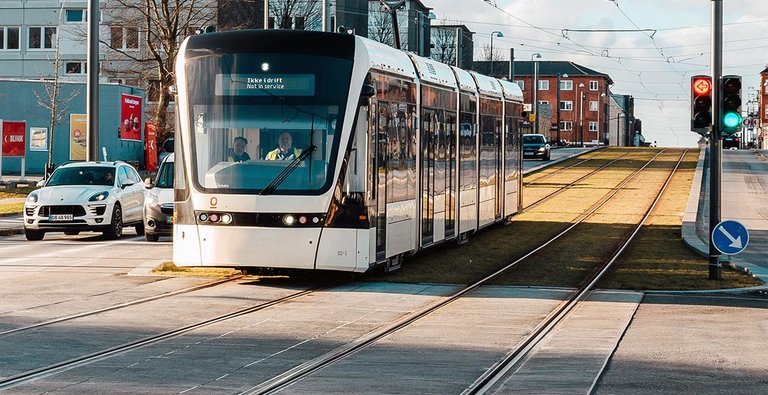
pixel 92 85
pixel 715 164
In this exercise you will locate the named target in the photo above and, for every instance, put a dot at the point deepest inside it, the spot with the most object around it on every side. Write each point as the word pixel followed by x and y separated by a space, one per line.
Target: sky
pixel 650 48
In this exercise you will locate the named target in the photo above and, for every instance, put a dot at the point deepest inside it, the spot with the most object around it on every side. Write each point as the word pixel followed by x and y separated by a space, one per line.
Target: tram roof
pixel 434 72
pixel 386 58
pixel 487 85
pixel 466 82
pixel 511 90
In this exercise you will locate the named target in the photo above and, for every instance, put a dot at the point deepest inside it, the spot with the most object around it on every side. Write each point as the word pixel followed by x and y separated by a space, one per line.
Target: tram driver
pixel 285 149
pixel 238 153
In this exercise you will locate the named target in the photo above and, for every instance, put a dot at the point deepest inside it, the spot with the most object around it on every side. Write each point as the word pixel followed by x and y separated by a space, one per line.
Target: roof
pixel 547 68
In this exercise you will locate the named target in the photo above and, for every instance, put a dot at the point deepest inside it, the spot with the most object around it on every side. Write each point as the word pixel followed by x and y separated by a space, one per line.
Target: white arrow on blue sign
pixel 730 237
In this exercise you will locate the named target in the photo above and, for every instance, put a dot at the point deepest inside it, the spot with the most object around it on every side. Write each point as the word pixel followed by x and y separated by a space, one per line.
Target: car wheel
pixel 72 233
pixel 33 235
pixel 139 228
pixel 115 229
pixel 152 237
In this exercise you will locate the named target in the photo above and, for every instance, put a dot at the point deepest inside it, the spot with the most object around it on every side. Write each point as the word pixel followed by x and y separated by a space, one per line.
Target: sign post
pixel 14 138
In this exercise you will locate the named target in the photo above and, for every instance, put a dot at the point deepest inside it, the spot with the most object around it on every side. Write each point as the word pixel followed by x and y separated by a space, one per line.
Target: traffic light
pixel 730 108
pixel 701 103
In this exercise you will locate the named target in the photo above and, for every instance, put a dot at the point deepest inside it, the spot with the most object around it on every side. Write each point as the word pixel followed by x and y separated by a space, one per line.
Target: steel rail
pixel 119 306
pixel 59 367
pixel 488 381
pixel 299 372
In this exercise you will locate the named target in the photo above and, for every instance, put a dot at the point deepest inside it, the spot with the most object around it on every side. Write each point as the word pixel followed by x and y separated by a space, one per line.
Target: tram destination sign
pixel 265 84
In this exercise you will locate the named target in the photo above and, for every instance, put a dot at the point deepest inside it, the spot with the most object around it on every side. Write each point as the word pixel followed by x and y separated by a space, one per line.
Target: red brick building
pixel 762 97
pixel 579 97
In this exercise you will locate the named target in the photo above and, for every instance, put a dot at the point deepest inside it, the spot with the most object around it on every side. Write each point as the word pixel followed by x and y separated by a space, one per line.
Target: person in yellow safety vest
pixel 285 149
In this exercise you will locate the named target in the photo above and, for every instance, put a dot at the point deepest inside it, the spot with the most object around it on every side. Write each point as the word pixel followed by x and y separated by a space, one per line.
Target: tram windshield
pixel 266 123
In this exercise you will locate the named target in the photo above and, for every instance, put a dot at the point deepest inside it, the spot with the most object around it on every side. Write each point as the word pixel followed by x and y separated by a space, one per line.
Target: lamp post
pixel 581 114
pixel 534 56
pixel 498 34
pixel 420 29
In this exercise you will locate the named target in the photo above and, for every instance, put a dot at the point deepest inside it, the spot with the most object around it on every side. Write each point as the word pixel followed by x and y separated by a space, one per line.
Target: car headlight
pixel 542 149
pixel 151 200
pixel 99 197
pixel 32 198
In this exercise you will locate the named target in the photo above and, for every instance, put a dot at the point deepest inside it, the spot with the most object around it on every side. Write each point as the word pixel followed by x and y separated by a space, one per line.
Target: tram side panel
pixel 490 122
pixel 512 151
pixel 467 171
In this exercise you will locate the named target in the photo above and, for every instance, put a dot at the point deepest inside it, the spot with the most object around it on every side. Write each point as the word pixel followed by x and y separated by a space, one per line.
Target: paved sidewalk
pixel 744 198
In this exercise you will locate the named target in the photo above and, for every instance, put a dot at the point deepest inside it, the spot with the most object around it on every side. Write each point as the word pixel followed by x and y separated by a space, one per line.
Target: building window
pixel 566 85
pixel 75 67
pixel 76 16
pixel 543 102
pixel 9 37
pixel 543 85
pixel 299 23
pixel 566 125
pixel 593 85
pixel 41 37
pixel 592 105
pixel 124 38
pixel 566 105
pixel 521 84
pixel 592 126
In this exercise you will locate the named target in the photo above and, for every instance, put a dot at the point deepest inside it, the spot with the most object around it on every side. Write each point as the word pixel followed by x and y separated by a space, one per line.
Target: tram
pixel 390 153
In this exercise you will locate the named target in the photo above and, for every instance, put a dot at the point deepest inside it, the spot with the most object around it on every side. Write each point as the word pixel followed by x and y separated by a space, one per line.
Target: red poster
pixel 130 117
pixel 150 147
pixel 14 133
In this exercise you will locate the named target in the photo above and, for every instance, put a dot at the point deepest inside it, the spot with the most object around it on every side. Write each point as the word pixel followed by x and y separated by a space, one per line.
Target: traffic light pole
pixel 715 153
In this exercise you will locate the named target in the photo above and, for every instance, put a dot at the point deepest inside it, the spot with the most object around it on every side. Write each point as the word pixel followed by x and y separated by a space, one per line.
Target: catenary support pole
pixel 92 96
pixel 715 165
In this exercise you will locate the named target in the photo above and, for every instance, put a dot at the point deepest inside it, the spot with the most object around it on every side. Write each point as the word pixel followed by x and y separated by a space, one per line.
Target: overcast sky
pixel 669 42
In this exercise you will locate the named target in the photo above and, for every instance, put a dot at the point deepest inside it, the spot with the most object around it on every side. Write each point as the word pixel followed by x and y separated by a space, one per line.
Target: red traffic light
pixel 701 85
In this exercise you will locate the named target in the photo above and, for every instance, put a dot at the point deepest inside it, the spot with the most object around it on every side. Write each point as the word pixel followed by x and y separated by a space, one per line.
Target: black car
pixel 731 142
pixel 535 146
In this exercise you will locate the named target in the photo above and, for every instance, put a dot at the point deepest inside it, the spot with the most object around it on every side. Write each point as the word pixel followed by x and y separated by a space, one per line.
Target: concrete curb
pixel 11 231
pixel 695 230
pixel 11 214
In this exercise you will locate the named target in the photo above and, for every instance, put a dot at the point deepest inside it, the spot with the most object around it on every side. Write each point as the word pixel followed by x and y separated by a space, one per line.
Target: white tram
pixel 393 152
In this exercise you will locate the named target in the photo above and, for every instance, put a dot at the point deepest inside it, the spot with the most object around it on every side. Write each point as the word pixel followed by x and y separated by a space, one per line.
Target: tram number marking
pixel 341 253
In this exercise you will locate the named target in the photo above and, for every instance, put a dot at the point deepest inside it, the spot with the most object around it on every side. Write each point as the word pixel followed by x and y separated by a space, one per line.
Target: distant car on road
pixel 86 196
pixel 158 207
pixel 731 142
pixel 165 149
pixel 535 146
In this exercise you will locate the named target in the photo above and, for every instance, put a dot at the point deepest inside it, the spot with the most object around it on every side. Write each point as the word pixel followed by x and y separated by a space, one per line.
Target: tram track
pixel 79 361
pixel 136 302
pixel 542 174
pixel 518 356
pixel 304 370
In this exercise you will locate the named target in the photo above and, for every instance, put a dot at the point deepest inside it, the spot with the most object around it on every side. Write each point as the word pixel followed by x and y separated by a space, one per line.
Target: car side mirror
pixel 40 183
pixel 148 183
pixel 126 184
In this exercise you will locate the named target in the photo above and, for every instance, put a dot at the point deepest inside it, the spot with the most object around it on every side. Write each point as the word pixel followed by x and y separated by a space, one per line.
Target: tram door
pixel 427 176
pixel 379 141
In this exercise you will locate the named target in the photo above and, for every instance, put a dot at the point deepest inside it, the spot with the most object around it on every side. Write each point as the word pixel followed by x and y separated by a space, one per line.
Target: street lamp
pixel 498 34
pixel 535 55
pixel 581 114
pixel 421 28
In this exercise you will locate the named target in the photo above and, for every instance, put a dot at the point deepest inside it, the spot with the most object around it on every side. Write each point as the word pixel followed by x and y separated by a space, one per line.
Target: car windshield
pixel 250 125
pixel 533 139
pixel 165 177
pixel 82 175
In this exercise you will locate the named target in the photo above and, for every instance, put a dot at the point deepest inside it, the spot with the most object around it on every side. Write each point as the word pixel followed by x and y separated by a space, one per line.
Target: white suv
pixel 158 207
pixel 86 196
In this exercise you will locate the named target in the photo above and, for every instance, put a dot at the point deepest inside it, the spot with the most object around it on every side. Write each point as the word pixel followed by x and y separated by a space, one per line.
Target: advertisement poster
pixel 14 133
pixel 130 117
pixel 150 147
pixel 38 139
pixel 78 137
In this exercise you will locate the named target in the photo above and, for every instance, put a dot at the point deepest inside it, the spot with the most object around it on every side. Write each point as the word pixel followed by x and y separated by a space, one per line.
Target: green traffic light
pixel 731 120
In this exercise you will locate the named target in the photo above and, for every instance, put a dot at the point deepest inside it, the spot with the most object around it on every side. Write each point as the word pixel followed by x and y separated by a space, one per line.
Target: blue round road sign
pixel 730 237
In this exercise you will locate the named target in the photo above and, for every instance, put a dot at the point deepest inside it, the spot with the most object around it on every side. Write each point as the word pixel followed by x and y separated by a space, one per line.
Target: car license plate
pixel 60 217
pixel 169 219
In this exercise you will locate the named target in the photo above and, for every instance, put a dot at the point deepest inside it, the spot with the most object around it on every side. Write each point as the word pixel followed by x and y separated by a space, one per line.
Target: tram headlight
pixel 214 217
pixel 203 217
pixel 289 220
pixel 303 220
pixel 226 218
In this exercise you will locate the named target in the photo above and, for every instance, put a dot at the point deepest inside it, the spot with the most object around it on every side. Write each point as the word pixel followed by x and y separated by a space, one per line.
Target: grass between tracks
pixel 170 269
pixel 658 259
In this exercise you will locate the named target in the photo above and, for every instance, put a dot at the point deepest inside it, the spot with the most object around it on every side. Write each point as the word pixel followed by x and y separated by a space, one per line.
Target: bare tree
pixel 296 14
pixel 50 98
pixel 380 26
pixel 485 54
pixel 444 44
pixel 161 25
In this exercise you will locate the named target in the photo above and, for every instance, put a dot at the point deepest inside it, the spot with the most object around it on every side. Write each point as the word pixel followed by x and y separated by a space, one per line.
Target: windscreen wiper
pixel 287 171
